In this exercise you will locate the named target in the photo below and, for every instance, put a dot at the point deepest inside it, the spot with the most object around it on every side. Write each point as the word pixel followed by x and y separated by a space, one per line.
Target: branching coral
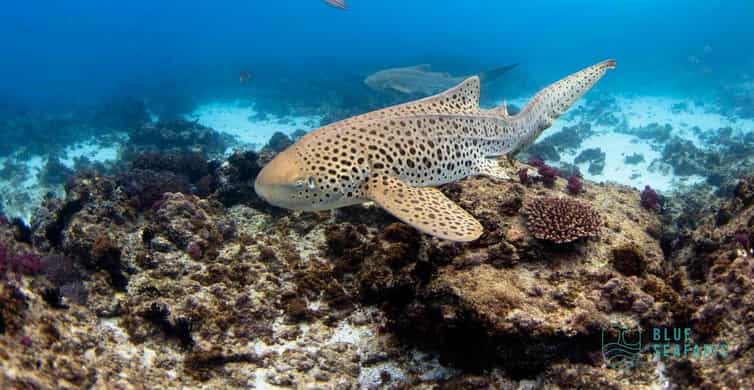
pixel 562 220
pixel 19 263
pixel 649 199
pixel 575 185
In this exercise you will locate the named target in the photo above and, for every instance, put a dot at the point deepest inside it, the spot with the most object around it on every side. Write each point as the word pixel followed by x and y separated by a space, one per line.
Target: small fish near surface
pixel 396 156
pixel 340 4
pixel 421 80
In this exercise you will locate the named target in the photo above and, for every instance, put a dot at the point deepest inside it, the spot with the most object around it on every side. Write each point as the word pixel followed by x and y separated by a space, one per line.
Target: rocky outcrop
pixel 212 288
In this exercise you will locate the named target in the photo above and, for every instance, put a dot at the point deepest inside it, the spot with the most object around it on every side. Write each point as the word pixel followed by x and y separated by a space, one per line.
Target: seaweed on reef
pixel 236 182
pixel 297 134
pixel 192 165
pixel 545 151
pixel 569 138
pixel 180 328
pixel 178 136
pixel 278 142
pixel 66 279
pixel 148 186
pixel 653 131
pixel 54 172
pixel 596 159
pixel 21 231
pixel 12 170
pixel 635 158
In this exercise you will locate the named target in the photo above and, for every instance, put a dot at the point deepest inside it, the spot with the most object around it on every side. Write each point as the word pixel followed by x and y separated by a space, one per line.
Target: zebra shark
pixel 395 156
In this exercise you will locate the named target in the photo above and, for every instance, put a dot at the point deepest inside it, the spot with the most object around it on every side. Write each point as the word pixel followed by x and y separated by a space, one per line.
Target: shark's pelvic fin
pixel 501 110
pixel 424 208
pixel 492 169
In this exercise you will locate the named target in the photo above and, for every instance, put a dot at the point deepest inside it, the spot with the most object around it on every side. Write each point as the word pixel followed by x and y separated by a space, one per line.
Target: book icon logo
pixel 621 347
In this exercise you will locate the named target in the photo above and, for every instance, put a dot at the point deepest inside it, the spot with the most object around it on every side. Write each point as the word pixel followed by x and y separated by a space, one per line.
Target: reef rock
pixel 214 289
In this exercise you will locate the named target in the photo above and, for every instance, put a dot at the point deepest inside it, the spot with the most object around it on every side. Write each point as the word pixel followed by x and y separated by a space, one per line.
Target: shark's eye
pixel 309 182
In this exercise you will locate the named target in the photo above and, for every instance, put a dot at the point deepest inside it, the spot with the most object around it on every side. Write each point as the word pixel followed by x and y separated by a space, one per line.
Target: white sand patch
pixel 641 111
pixel 616 147
pixel 237 118
pixel 92 150
pixel 22 193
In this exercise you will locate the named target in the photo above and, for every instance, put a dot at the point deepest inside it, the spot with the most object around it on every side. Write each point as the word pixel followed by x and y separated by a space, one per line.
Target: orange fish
pixel 341 4
pixel 243 77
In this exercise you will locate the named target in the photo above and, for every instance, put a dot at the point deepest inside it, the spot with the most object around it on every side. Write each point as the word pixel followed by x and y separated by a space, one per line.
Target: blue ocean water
pixel 87 48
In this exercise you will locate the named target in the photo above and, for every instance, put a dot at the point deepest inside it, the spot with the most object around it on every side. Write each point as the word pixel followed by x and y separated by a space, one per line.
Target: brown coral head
pixel 562 220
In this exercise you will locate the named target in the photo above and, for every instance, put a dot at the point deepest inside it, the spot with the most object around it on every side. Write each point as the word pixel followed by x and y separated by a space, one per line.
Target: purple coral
pixel 536 162
pixel 743 240
pixel 25 264
pixel 523 176
pixel 548 174
pixel 25 341
pixel 20 264
pixel 194 250
pixel 649 199
pixel 4 259
pixel 575 185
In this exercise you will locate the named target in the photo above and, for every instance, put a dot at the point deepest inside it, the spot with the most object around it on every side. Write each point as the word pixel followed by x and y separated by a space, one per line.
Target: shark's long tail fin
pixel 555 99
pixel 547 105
pixel 494 74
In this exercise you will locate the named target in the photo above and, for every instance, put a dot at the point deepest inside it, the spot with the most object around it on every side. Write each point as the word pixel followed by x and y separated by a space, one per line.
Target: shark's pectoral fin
pixel 424 208
pixel 493 170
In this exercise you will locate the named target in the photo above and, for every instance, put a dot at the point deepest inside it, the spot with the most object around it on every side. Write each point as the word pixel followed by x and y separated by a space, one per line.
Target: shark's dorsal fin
pixel 422 67
pixel 424 208
pixel 461 99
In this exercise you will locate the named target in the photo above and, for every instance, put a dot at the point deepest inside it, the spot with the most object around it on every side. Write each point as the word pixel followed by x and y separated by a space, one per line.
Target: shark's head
pixel 283 183
pixel 286 182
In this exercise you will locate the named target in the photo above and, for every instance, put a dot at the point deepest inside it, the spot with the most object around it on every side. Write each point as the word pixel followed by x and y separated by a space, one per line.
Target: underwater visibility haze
pixel 349 194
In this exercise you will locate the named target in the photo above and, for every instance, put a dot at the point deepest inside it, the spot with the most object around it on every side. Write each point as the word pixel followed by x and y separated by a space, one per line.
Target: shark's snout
pixel 277 182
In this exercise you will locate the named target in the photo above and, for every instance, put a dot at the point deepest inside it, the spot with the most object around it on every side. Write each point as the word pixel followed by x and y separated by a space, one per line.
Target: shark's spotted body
pixel 395 155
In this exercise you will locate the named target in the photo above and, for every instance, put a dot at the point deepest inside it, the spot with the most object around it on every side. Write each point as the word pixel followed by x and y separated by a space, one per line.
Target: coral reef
pixel 596 159
pixel 176 137
pixel 649 199
pixel 279 142
pixel 172 273
pixel 562 220
pixel 575 185
pixel 54 172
